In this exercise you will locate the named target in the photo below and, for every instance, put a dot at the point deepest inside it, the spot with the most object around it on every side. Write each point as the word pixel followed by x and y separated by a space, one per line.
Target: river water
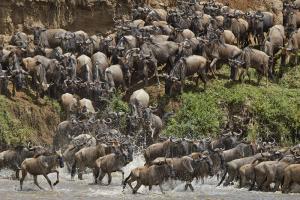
pixel 71 190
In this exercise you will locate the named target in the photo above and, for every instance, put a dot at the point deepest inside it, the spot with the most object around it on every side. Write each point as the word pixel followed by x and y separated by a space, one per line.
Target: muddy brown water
pixel 71 190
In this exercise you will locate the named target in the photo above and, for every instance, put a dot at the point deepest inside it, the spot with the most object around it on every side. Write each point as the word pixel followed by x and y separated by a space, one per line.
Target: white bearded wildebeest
pixel 13 158
pixel 138 101
pixel 186 67
pixel 85 68
pixel 42 165
pixel 154 175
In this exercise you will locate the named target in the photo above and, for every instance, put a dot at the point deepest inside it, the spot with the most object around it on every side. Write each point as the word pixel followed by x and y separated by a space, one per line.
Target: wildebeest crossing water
pixel 84 189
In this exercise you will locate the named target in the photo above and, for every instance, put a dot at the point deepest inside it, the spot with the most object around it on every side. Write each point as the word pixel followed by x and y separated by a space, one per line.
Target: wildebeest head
pixel 59 159
pixel 19 79
pixel 234 69
pixel 37 33
pixel 227 21
pixel 147 115
pixel 68 41
pixel 167 164
pixel 124 62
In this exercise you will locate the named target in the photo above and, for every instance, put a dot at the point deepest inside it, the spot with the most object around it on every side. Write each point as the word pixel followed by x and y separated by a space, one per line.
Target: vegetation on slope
pixel 258 111
pixel 22 120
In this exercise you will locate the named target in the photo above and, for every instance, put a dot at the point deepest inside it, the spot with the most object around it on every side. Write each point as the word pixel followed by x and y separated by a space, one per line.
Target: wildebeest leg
pixel 109 178
pixel 129 183
pixel 186 186
pixel 259 77
pixel 242 75
pixel 213 66
pixel 276 187
pixel 242 180
pixel 101 176
pixel 161 188
pixel 17 174
pixel 191 187
pixel 57 177
pixel 157 77
pixel 182 85
pixel 80 172
pixel 138 185
pixel 36 183
pixel 150 187
pixel 24 173
pixel 146 74
pixel 95 174
pixel 48 180
pixel 231 176
pixel 120 170
pixel 203 79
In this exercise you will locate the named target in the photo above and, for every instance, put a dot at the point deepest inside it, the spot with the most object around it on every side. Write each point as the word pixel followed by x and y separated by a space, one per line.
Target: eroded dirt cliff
pixel 91 16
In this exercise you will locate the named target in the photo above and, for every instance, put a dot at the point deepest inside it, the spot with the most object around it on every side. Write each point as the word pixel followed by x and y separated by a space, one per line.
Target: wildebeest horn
pixel 227 134
pixel 175 79
pixel 259 140
pixel 238 134
pixel 98 137
pixel 166 76
pixel 107 120
pixel 274 141
pixel 153 107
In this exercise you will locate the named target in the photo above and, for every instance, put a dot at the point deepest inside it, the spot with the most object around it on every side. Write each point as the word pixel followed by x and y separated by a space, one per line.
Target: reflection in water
pixel 70 190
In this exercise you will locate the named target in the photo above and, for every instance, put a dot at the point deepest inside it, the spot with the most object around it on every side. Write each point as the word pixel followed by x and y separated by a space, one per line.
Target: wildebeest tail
pixel 253 183
pixel 223 177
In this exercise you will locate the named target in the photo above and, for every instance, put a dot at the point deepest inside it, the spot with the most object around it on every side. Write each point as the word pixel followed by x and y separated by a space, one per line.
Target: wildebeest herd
pixel 85 71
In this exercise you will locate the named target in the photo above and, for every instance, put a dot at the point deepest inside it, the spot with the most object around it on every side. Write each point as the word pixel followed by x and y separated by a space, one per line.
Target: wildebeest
pixel 272 172
pixel 258 60
pixel 167 149
pixel 85 68
pixel 186 67
pixel 232 167
pixel 203 165
pixel 20 39
pixel 100 63
pixel 13 158
pixel 42 165
pixel 77 143
pixel 293 46
pixel 115 77
pixel 274 42
pixel 217 51
pixel 47 38
pixel 238 26
pixel 154 175
pixel 291 175
pixel 87 156
pixel 182 167
pixel 152 123
pixel 69 103
pixel 110 163
pixel 138 101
